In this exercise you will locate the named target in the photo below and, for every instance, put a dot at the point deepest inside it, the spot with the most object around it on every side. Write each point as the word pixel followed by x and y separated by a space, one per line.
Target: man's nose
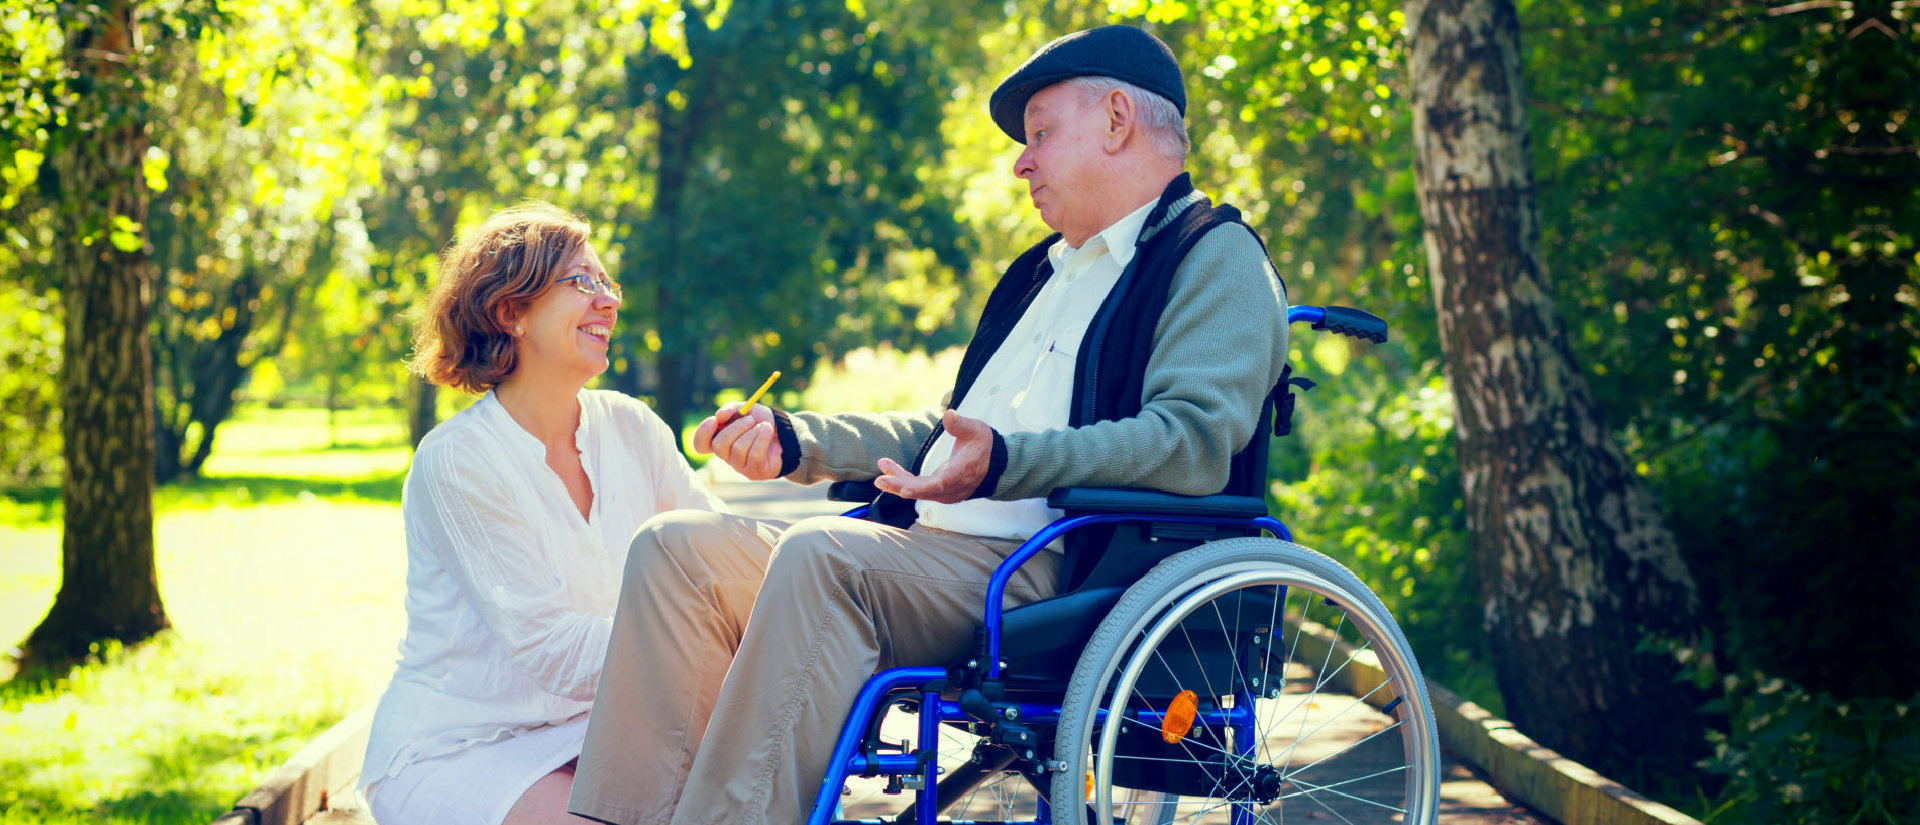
pixel 1023 165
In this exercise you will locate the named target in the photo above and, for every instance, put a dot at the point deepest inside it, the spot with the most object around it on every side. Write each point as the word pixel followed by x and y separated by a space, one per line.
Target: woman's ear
pixel 508 322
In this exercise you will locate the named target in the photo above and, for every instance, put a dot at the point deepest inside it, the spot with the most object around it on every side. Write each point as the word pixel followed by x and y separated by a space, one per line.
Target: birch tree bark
pixel 107 587
pixel 1576 563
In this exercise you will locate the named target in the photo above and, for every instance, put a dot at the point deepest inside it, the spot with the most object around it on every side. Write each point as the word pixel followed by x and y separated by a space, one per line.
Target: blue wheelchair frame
pixel 927 682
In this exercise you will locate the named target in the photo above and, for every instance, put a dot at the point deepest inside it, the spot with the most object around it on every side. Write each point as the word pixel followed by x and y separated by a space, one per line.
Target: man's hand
pixel 748 444
pixel 956 480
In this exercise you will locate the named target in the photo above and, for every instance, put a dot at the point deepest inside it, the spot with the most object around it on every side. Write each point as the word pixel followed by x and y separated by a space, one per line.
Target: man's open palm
pixel 956 480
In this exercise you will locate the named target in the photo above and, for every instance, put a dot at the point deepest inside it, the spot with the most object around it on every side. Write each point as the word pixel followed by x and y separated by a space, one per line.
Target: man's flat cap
pixel 1122 52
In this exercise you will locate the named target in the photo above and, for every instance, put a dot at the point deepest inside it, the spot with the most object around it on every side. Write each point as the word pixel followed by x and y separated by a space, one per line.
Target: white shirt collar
pixel 1119 239
pixel 527 443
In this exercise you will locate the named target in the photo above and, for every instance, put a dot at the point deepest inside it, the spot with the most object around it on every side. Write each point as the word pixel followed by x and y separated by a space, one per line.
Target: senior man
pixel 1133 348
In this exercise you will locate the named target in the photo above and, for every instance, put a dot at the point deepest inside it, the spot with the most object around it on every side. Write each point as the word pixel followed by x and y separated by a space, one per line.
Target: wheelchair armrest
pixel 862 492
pixel 1084 500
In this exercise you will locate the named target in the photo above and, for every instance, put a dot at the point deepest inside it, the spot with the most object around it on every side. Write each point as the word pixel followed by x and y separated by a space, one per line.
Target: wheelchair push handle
pixel 1353 323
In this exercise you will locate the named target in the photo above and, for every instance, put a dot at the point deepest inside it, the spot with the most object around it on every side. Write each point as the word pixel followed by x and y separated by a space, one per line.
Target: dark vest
pixel 1111 370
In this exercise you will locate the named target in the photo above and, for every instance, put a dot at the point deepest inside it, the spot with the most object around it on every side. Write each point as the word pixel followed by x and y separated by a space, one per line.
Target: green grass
pixel 283 572
pixel 267 456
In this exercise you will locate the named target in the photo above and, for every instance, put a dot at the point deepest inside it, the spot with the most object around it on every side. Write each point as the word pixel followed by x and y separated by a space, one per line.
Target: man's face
pixel 1062 157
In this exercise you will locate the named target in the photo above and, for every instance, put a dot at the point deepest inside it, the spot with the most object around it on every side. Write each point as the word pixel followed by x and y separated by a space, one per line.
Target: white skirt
pixel 476 785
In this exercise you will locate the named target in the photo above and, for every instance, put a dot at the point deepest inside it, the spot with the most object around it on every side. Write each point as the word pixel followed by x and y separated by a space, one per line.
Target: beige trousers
pixel 739 645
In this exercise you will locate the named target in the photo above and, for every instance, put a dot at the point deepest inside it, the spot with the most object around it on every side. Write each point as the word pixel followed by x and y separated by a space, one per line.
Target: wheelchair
pixel 1185 673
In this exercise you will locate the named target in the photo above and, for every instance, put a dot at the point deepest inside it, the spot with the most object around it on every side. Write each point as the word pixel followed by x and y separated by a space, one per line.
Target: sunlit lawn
pixel 282 572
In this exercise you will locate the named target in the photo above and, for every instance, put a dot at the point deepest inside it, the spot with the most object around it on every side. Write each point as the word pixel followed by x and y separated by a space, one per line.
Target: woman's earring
pixel 518 331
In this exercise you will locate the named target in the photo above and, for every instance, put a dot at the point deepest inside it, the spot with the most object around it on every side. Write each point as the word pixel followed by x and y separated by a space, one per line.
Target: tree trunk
pixel 425 412
pixel 1576 563
pixel 107 587
pixel 674 398
pixel 333 409
pixel 626 371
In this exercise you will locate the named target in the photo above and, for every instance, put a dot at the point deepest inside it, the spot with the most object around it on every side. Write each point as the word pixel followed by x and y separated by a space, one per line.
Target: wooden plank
pixel 295 790
pixel 1522 769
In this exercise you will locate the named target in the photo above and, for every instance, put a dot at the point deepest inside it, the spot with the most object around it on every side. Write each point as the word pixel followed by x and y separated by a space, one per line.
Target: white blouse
pixel 510 593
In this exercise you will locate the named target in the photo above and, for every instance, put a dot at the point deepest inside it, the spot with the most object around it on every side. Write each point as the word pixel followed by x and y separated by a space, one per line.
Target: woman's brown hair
pixel 487 280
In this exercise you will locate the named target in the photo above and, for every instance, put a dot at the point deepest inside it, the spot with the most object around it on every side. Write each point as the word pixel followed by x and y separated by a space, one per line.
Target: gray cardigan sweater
pixel 1218 349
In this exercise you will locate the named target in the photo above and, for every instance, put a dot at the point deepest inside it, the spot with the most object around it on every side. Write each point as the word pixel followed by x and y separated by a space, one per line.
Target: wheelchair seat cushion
pixel 1043 639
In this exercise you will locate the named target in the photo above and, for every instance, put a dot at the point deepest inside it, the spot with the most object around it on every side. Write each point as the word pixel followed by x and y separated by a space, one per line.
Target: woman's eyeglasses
pixel 590 285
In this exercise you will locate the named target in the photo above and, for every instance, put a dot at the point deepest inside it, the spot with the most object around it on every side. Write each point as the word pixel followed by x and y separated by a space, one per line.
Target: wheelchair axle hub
pixel 1248 781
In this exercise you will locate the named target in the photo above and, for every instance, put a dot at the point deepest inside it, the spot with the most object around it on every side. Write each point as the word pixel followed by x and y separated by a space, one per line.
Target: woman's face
pixel 565 332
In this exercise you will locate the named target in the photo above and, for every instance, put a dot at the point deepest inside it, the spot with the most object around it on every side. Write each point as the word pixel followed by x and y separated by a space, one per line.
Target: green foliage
pixel 1719 188
pixel 29 397
pixel 244 229
pixel 1788 756
pixel 880 379
pixel 1369 475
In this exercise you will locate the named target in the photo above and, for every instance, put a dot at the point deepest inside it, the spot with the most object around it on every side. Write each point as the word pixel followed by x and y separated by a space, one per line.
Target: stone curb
pixel 1521 769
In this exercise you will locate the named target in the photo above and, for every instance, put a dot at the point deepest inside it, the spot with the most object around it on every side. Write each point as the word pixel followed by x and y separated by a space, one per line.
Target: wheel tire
pixel 1174 591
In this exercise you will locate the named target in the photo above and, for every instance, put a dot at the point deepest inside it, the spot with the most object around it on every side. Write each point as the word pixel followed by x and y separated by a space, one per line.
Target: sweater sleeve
pixel 470 522
pixel 1217 351
pixel 849 446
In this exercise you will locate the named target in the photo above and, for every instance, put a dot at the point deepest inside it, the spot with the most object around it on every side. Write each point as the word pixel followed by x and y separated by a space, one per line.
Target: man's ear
pixel 1123 119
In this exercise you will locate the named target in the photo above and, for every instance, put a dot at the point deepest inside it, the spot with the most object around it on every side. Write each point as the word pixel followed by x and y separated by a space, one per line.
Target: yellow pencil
pixel 748 407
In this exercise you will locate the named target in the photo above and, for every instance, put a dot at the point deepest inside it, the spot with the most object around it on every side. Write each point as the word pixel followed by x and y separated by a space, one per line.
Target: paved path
pixel 1466 798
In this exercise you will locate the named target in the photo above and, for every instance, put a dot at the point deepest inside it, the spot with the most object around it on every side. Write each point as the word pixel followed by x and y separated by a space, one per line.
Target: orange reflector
pixel 1179 718
pixel 1089 786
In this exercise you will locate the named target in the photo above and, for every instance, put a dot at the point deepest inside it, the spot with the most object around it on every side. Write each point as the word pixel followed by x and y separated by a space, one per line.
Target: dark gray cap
pixel 1122 52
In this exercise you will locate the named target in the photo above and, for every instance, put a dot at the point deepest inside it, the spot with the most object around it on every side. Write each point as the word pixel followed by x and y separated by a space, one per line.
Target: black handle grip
pixel 861 492
pixel 1354 323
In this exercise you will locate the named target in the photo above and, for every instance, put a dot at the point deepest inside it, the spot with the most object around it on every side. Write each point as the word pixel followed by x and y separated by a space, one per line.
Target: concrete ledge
pixel 301 785
pixel 1523 770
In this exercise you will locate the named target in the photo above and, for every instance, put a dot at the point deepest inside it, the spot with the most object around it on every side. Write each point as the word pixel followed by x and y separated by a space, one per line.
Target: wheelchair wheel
pixel 1215 686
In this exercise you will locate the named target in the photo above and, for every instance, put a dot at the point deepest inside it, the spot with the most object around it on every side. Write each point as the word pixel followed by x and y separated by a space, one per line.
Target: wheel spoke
pixel 1312 789
pixel 1323 803
pixel 1318 681
pixel 1369 737
pixel 1330 720
pixel 1260 742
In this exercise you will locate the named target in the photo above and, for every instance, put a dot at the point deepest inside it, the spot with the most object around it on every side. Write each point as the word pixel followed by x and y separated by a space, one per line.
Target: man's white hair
pixel 1166 131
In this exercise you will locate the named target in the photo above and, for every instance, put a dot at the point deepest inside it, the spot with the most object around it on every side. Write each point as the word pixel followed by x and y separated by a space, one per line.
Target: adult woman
pixel 518 513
